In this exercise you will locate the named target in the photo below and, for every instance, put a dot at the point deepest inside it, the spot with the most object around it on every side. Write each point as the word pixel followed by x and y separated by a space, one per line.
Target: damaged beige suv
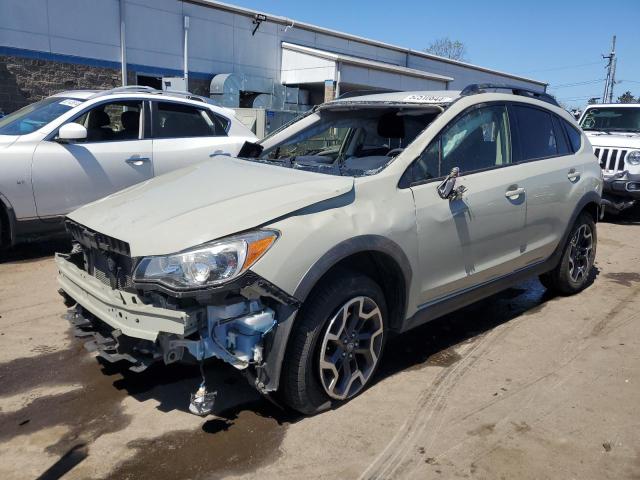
pixel 368 216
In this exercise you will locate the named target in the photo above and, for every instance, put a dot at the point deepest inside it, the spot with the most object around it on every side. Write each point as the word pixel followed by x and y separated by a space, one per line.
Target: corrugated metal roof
pixel 364 62
pixel 314 28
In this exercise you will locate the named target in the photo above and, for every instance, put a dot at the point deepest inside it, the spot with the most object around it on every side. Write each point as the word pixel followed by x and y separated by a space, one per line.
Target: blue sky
pixel 556 41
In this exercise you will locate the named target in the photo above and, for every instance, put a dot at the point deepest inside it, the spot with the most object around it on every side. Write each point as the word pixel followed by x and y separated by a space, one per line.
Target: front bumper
pixel 119 326
pixel 119 309
pixel 623 184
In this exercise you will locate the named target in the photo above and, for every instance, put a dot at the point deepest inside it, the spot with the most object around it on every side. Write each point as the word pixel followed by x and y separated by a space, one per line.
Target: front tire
pixel 336 343
pixel 573 273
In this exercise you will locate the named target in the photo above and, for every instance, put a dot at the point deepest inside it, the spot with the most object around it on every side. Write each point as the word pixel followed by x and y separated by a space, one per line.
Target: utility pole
pixel 611 73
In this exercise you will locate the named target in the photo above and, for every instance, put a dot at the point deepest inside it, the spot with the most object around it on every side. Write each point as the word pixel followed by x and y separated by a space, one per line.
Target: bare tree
pixel 445 47
pixel 626 97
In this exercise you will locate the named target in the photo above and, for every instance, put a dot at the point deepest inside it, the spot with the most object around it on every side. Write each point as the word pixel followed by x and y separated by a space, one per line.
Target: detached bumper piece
pixel 109 343
pixel 621 191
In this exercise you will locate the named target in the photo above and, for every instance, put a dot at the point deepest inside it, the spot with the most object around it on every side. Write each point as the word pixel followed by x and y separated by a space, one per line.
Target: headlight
pixel 633 157
pixel 210 264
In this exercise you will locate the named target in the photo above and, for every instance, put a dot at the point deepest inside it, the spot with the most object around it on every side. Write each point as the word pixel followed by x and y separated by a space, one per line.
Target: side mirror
pixel 447 189
pixel 72 131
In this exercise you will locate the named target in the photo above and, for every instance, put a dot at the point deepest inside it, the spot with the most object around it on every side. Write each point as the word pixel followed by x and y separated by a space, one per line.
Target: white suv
pixel 614 132
pixel 78 146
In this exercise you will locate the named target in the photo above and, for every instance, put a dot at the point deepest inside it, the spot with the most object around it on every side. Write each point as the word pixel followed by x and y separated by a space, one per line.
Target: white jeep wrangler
pixel 614 132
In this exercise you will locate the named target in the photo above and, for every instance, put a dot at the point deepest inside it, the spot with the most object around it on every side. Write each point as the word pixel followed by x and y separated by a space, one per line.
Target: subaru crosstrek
pixel 368 216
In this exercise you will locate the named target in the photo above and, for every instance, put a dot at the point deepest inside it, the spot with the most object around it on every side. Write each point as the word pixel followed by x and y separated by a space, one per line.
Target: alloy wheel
pixel 581 254
pixel 351 347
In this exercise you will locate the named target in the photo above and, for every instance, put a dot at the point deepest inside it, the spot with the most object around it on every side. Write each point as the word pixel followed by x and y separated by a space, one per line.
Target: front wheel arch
pixel 7 223
pixel 374 256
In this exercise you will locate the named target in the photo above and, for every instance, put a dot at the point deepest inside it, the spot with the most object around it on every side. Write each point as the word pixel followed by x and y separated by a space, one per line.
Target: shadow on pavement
pixel 245 431
pixel 431 344
pixel 26 252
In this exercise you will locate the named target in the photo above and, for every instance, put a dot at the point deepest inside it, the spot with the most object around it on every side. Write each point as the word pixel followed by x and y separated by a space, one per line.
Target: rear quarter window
pixel 575 137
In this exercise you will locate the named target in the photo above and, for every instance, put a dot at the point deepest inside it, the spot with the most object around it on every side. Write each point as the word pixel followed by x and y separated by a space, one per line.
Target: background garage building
pixel 236 56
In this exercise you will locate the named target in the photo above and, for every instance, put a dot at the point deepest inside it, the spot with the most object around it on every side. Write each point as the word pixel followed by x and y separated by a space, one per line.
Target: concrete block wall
pixel 27 80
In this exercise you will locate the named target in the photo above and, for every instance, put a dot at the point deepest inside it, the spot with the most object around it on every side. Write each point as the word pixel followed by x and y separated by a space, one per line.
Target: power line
pixel 576 84
pixel 582 97
pixel 566 67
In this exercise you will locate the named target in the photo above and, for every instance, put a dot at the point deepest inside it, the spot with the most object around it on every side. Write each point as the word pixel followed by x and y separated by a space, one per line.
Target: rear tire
pixel 336 343
pixel 573 273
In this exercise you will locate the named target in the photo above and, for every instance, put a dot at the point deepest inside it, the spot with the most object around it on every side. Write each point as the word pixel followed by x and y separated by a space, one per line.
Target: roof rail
pixel 476 88
pixel 358 93
pixel 151 90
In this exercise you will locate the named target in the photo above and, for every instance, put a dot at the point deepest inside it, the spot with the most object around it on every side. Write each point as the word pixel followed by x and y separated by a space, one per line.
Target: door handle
pixel 573 174
pixel 516 192
pixel 137 161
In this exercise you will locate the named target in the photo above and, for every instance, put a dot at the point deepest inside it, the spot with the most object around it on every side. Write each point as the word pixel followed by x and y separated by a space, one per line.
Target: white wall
pixel 220 41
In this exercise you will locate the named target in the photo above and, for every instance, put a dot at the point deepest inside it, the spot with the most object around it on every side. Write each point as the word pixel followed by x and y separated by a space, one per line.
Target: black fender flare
pixel 346 248
pixel 270 379
pixel 589 197
pixel 5 205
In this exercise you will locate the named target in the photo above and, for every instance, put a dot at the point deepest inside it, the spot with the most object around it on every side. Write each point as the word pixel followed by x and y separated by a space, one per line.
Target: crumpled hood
pixel 203 202
pixel 6 140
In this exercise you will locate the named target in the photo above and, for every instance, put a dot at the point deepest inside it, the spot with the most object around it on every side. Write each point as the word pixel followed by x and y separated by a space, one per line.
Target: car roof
pixel 79 94
pixel 621 105
pixel 423 97
pixel 148 93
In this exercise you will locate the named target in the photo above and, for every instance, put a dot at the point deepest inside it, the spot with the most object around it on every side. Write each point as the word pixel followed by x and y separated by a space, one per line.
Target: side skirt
pixel 442 306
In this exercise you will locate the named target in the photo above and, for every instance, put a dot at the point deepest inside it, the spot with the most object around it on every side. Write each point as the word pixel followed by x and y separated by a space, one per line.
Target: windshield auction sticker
pixel 70 102
pixel 427 99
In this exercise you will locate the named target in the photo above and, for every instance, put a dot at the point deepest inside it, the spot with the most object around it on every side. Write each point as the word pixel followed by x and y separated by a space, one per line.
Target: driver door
pixel 476 237
pixel 114 156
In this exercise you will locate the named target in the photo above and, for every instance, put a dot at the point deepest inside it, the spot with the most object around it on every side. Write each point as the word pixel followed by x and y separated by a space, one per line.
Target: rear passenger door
pixel 552 178
pixel 478 237
pixel 184 134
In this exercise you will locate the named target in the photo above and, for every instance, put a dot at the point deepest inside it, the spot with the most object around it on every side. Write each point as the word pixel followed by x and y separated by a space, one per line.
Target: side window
pixel 561 139
pixel 536 133
pixel 174 120
pixel 479 139
pixel 575 138
pixel 112 122
pixel 427 166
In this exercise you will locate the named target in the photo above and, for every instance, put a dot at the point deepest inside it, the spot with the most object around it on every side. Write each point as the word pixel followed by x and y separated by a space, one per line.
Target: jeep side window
pixel 478 140
pixel 112 122
pixel 174 120
pixel 537 136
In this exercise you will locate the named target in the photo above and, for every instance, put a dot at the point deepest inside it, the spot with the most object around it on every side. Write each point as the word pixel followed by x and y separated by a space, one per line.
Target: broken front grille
pixel 611 159
pixel 110 268
pixel 106 258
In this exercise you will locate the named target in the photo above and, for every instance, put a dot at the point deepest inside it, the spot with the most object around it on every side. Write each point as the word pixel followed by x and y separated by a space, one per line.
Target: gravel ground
pixel 521 385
